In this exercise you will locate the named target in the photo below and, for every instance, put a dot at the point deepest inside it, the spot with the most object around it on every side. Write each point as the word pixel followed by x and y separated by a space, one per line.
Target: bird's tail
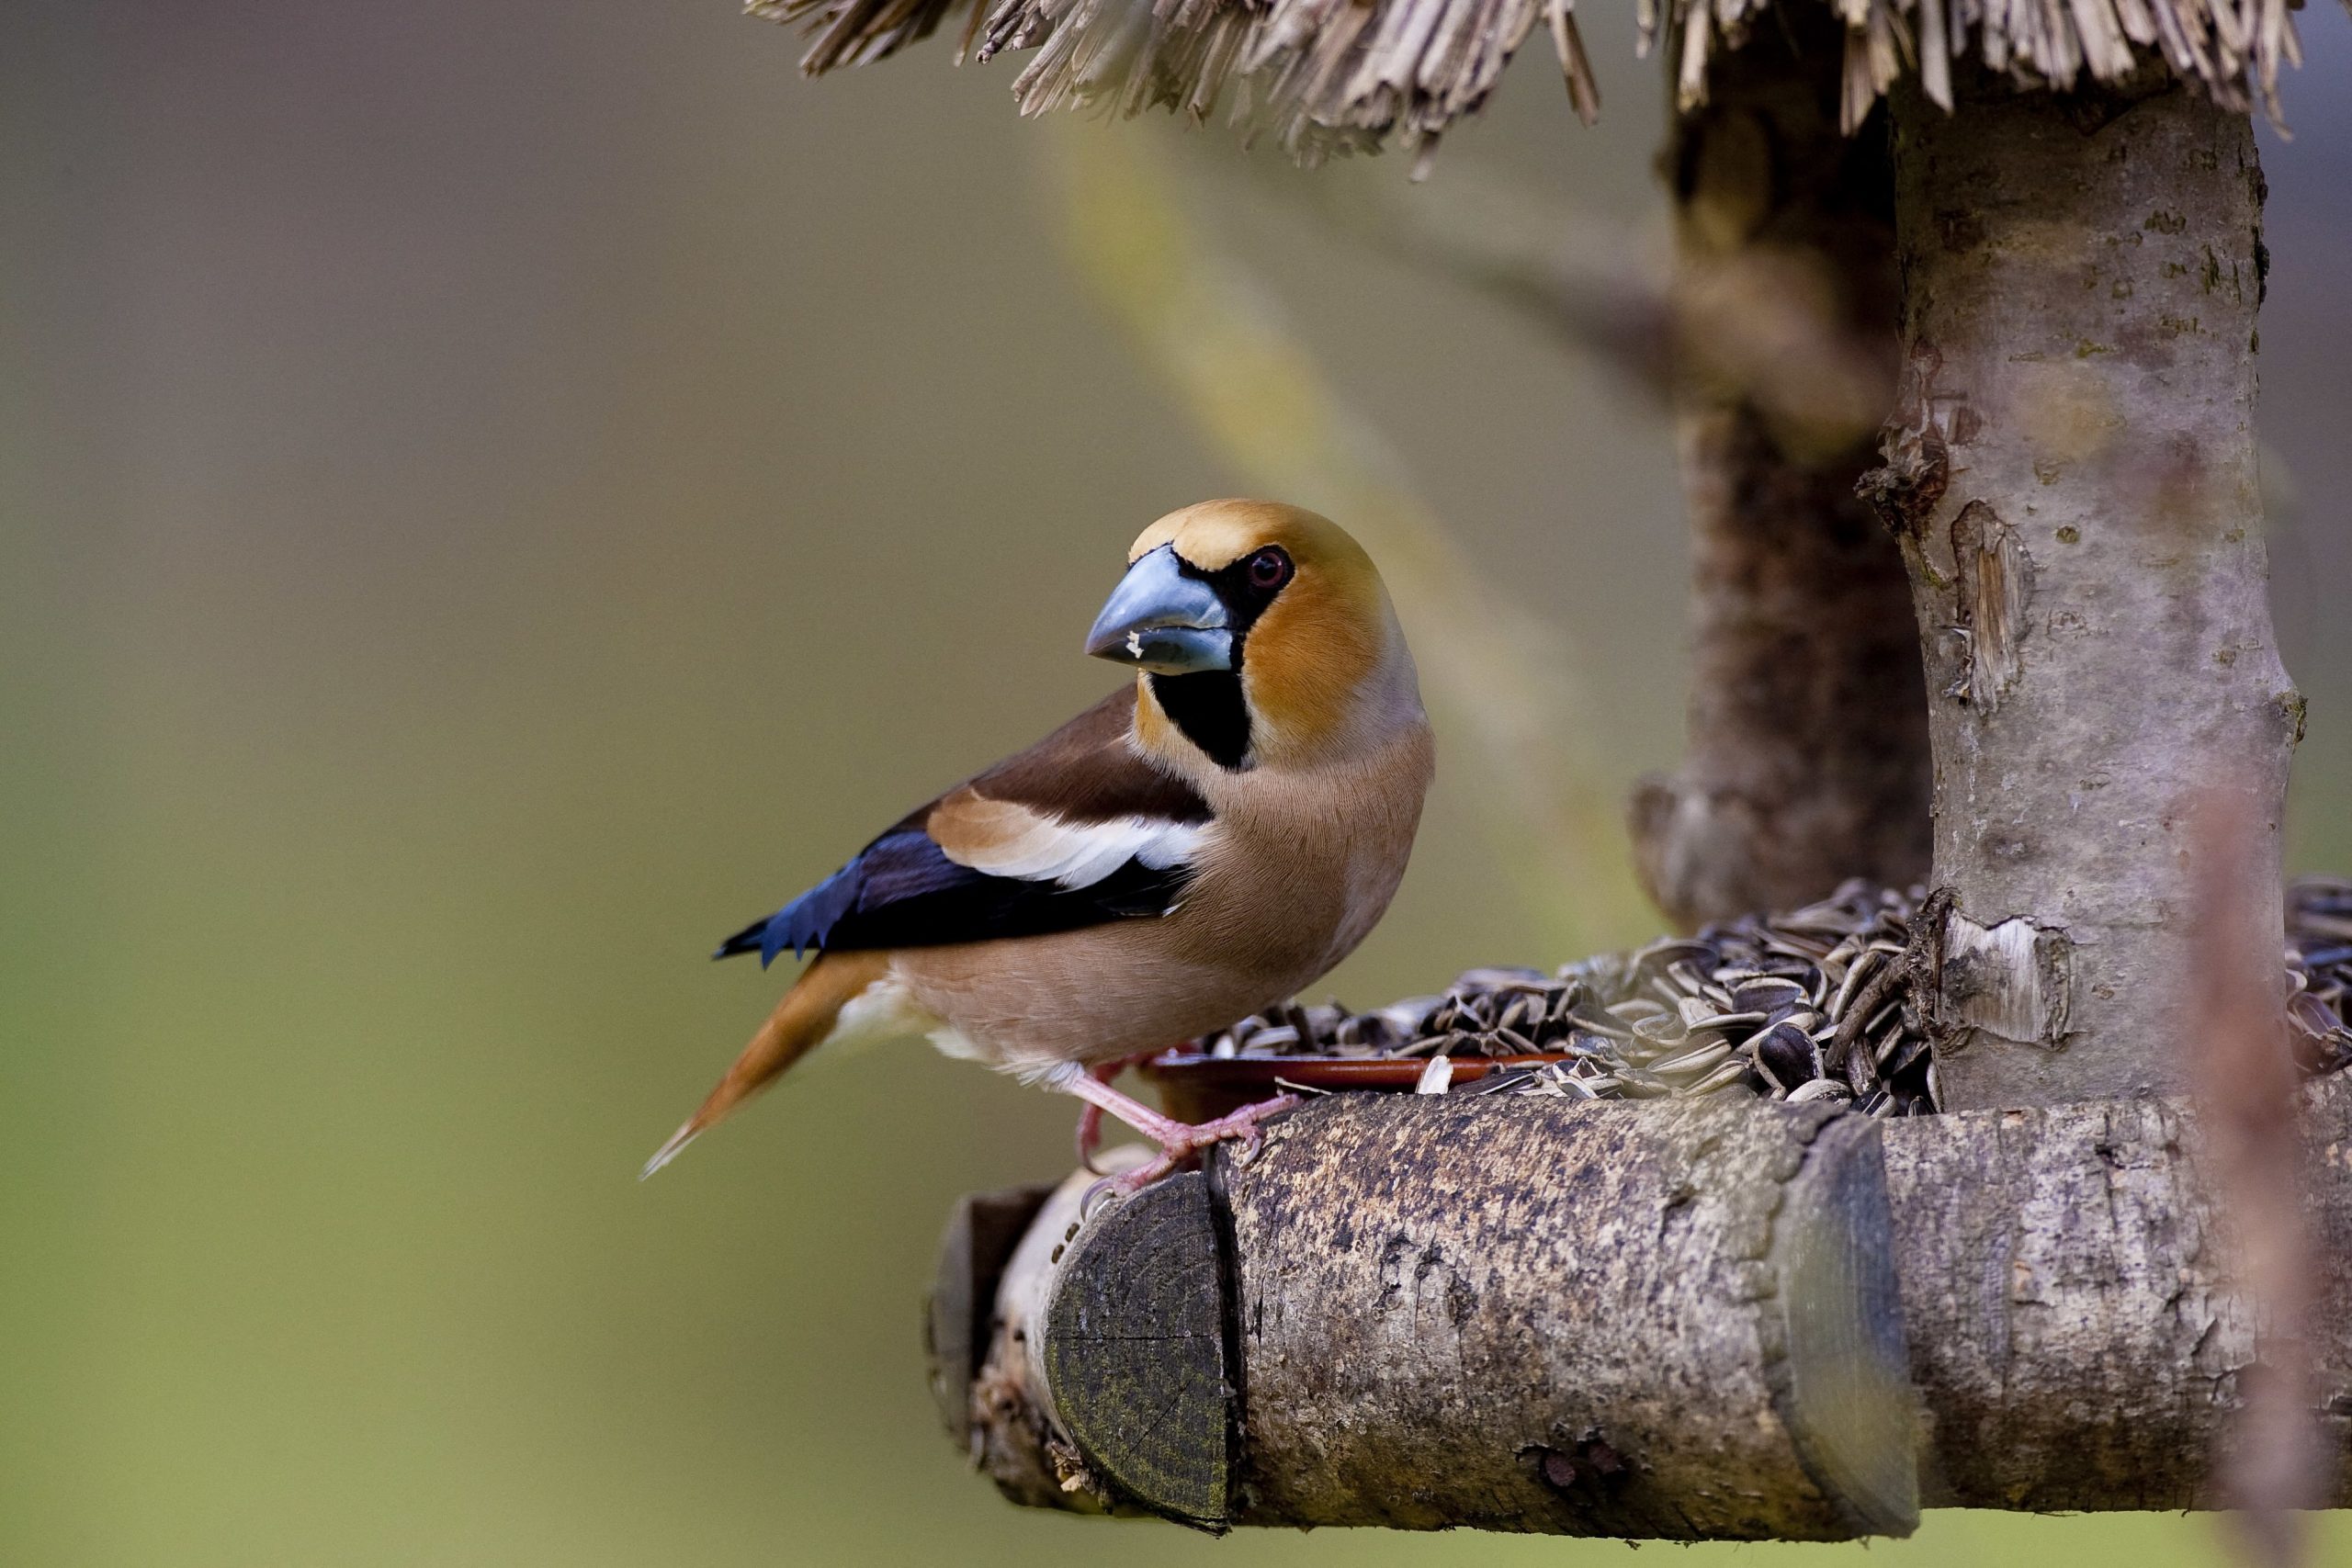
pixel 801 1022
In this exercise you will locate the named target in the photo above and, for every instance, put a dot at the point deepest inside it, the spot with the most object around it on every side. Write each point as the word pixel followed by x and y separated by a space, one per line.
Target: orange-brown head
pixel 1263 633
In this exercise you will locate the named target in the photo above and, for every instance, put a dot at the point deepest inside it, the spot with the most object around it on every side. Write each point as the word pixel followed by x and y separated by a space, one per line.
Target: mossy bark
pixel 1666 1321
pixel 1679 1321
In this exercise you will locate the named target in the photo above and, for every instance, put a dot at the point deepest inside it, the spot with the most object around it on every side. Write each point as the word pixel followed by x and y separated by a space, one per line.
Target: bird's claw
pixel 1090 1139
pixel 1094 1196
pixel 1181 1143
pixel 1129 1183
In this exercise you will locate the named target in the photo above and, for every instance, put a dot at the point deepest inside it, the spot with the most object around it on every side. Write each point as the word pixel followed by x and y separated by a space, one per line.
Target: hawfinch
pixel 1188 850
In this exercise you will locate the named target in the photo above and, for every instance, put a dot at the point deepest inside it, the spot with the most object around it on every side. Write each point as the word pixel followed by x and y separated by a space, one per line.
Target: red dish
pixel 1195 1087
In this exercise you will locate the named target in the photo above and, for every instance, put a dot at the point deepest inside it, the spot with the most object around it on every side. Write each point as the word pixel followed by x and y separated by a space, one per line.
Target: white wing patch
pixel 1037 848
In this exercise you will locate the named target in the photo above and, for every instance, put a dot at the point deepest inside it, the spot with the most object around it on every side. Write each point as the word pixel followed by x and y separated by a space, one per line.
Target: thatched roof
pixel 1321 77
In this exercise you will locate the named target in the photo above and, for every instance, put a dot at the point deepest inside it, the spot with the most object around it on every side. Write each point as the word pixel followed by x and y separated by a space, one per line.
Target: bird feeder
pixel 1985 616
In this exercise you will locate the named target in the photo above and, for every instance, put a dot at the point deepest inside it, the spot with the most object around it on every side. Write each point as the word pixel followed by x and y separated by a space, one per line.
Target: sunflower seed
pixel 1690 1064
pixel 1813 1005
pixel 1789 1054
pixel 1722 1078
pixel 1855 977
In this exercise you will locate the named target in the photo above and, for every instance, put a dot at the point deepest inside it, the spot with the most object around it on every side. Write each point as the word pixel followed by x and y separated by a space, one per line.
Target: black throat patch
pixel 1208 708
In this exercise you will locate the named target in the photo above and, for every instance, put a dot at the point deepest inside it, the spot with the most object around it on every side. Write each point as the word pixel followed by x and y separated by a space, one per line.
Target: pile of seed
pixel 1813 1004
pixel 2319 970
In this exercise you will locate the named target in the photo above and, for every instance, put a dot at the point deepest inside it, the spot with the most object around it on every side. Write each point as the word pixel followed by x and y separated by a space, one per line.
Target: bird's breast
pixel 1304 862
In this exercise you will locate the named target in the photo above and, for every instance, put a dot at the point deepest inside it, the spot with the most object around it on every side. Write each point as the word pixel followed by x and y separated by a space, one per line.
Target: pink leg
pixel 1178 1141
pixel 1090 1119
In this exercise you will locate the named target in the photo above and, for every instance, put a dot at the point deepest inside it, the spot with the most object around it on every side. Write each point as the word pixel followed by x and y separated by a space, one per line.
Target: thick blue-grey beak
pixel 1161 620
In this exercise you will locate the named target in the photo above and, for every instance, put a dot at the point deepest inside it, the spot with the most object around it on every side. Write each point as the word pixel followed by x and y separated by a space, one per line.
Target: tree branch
pixel 1683 1321
pixel 2072 475
pixel 2274 1462
pixel 1807 757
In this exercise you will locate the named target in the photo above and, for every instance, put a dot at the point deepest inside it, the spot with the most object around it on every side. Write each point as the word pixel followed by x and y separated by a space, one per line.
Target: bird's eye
pixel 1269 570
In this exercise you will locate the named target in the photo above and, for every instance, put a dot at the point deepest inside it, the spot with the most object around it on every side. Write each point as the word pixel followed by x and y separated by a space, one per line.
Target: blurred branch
pixel 2273 1464
pixel 1498 678
pixel 1596 280
pixel 1756 321
pixel 1807 759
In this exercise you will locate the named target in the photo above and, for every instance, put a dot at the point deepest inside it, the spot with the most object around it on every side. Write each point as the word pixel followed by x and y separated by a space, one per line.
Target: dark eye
pixel 1269 570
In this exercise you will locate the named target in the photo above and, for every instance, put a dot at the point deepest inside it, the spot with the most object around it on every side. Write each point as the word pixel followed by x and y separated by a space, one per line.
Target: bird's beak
pixel 1161 620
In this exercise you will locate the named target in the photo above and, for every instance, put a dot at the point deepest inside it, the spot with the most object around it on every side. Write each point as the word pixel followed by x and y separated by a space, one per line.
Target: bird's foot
pixel 1179 1141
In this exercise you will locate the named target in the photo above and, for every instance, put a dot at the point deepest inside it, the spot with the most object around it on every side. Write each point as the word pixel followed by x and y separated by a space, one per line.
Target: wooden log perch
pixel 1711 1319
pixel 2067 1287
pixel 982 1231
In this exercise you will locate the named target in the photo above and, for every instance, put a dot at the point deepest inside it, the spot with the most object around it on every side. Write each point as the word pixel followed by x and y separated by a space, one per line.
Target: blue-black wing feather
pixel 901 890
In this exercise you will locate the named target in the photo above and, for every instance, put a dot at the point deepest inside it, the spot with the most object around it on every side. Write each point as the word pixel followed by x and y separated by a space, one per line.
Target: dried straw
pixel 1325 76
pixel 1317 76
pixel 2233 48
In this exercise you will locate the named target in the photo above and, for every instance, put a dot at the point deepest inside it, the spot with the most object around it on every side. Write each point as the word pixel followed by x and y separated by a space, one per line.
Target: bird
pixel 1199 846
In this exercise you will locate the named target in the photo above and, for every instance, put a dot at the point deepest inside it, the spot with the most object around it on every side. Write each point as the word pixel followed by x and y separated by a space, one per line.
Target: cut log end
pixel 1134 1353
pixel 1841 1387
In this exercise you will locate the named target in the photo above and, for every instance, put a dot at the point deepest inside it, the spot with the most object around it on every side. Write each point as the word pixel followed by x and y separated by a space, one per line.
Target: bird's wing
pixel 1077 830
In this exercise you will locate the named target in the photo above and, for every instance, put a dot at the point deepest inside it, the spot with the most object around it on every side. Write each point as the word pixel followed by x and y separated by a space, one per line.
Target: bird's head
pixel 1262 634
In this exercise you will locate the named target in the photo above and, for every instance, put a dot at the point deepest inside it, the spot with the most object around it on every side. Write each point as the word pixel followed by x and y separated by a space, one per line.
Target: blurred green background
pixel 492 497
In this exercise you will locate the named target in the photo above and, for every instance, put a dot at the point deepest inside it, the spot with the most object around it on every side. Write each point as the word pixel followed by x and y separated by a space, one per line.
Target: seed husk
pixel 1691 1063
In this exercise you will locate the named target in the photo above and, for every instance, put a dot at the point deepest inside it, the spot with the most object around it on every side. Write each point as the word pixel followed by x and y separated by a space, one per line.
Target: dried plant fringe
pixel 1326 76
pixel 1317 76
pixel 1816 1003
pixel 2233 48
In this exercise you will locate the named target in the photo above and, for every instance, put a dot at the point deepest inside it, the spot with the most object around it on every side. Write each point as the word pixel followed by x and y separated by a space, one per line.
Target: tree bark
pixel 2071 474
pixel 983 1229
pixel 2075 1299
pixel 1678 1322
pixel 1807 759
pixel 1670 1324
pixel 1667 1320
